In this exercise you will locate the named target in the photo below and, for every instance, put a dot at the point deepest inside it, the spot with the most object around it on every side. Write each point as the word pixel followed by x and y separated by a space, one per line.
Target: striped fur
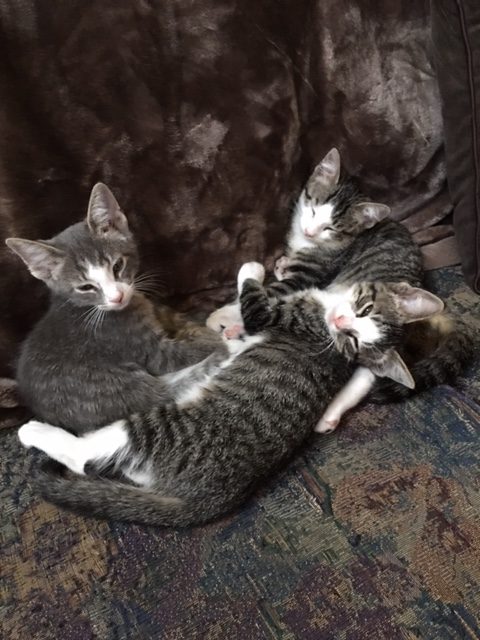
pixel 198 459
pixel 436 351
pixel 385 252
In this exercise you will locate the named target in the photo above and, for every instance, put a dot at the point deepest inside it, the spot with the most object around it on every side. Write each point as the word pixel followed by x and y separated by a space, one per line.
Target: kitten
pixel 329 216
pixel 196 459
pixel 337 237
pixel 97 354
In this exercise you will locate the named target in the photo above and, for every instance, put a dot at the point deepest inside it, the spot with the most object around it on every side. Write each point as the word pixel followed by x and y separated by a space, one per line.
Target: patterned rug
pixel 373 533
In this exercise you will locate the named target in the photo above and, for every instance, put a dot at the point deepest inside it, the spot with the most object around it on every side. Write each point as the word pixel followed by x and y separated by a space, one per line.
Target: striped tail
pixel 112 500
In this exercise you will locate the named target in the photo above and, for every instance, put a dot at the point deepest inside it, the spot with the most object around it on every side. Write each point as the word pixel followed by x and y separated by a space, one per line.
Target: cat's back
pixel 386 252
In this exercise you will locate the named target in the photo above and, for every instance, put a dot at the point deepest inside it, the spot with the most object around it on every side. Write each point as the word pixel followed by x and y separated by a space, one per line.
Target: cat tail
pixel 442 365
pixel 111 500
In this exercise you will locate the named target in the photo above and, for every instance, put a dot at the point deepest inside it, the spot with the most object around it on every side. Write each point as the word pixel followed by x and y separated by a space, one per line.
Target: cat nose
pixel 117 298
pixel 342 322
pixel 234 332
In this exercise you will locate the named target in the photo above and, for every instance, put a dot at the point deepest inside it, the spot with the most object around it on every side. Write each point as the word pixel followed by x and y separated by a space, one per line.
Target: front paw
pixel 33 433
pixel 327 424
pixel 281 268
pixel 250 270
pixel 225 317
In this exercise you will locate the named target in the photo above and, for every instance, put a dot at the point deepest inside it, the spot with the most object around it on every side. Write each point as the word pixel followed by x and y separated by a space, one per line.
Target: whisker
pixel 86 317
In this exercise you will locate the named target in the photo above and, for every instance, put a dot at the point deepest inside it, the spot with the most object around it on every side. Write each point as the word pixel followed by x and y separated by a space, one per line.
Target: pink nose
pixel 309 234
pixel 342 322
pixel 234 332
pixel 117 298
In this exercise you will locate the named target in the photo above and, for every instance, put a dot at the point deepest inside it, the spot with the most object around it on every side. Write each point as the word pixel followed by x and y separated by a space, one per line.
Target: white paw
pixel 327 424
pixel 281 268
pixel 224 317
pixel 253 270
pixel 33 433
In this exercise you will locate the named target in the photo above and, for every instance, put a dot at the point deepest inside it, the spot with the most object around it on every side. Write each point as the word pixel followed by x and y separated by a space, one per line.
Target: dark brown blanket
pixel 205 118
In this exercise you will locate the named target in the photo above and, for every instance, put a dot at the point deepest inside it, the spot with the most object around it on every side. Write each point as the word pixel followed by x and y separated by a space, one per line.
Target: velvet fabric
pixel 205 118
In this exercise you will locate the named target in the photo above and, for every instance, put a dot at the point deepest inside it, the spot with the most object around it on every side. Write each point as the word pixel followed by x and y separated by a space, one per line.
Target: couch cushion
pixel 456 41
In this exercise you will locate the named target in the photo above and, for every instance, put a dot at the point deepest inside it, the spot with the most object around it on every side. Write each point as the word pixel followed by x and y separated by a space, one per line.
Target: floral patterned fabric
pixel 373 532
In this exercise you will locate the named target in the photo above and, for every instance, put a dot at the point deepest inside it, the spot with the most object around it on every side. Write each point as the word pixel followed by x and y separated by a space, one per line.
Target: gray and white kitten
pixel 194 460
pixel 99 351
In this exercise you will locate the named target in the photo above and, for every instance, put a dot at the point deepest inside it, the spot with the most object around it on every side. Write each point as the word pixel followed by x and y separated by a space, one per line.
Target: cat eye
pixel 85 288
pixel 117 267
pixel 366 311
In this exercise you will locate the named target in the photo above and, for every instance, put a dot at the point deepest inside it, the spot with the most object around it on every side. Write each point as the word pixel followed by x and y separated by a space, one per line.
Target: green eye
pixel 366 311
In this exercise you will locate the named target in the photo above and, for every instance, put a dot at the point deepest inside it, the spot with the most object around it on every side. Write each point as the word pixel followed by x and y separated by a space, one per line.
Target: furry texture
pixel 205 118
pixel 436 352
pixel 196 459
pixel 99 352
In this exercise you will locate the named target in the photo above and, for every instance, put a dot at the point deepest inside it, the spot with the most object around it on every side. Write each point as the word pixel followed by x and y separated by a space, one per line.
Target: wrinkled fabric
pixel 205 119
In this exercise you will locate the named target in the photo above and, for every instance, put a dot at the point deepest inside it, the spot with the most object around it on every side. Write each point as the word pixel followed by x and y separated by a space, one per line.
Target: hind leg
pixel 102 445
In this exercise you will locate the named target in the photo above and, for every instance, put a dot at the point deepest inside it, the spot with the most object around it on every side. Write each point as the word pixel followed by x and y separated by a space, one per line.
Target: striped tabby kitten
pixel 97 354
pixel 330 215
pixel 336 237
pixel 196 459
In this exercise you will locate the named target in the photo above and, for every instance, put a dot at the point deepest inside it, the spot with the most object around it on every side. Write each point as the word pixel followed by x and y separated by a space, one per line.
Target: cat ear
pixel 416 304
pixel 43 261
pixel 327 172
pixel 104 215
pixel 369 213
pixel 392 366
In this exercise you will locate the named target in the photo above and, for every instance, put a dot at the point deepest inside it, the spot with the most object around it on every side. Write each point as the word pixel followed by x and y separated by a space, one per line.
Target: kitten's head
pixel 367 322
pixel 91 263
pixel 330 211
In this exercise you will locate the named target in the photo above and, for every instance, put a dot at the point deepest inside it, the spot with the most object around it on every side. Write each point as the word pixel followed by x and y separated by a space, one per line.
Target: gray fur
pixel 207 456
pixel 384 252
pixel 358 252
pixel 80 366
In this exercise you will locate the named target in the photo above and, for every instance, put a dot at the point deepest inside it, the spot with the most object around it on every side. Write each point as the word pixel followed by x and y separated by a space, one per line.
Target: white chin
pixel 116 306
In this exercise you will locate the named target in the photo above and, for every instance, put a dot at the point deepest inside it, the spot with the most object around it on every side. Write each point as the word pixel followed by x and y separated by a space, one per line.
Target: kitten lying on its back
pixel 196 459
pixel 98 352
